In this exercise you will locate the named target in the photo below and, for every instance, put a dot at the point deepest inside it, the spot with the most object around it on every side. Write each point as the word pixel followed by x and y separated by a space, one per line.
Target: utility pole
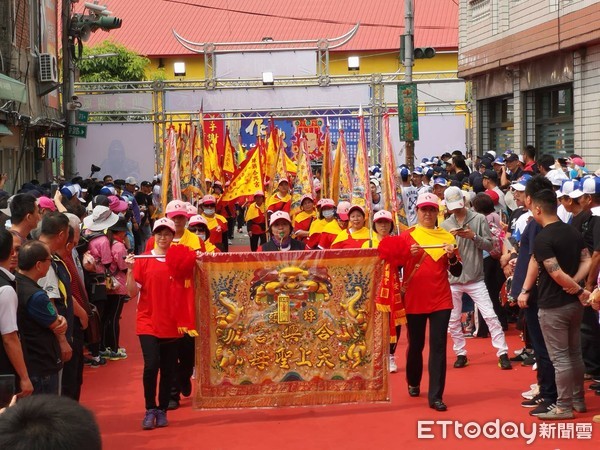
pixel 409 146
pixel 68 89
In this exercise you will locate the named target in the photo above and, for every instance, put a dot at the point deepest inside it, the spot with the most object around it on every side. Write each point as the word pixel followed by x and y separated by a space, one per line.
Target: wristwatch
pixel 580 291
pixel 525 291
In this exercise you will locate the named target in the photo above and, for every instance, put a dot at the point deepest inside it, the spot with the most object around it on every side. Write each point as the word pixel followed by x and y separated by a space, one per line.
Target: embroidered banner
pixel 290 328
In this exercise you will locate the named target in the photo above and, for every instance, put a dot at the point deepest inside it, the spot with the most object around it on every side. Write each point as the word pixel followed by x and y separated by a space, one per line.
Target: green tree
pixel 124 66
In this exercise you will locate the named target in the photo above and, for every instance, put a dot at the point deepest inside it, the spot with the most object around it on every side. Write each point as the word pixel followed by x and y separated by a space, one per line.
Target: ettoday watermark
pixel 496 429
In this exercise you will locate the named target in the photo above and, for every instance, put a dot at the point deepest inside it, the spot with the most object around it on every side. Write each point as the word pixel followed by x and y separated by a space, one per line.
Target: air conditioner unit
pixel 48 71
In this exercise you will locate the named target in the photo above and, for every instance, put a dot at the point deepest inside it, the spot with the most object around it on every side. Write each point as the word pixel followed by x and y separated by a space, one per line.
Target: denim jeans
pixel 545 369
pixel 561 330
pixel 47 384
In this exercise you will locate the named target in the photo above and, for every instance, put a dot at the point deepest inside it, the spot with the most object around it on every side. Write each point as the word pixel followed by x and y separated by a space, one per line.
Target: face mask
pixel 202 236
pixel 328 213
pixel 121 215
pixel 209 211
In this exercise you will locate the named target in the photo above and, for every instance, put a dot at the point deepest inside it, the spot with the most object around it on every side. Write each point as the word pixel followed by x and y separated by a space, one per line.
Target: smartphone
pixel 7 389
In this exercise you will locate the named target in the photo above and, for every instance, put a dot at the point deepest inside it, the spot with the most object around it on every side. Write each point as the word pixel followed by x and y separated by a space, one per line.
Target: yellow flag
pixel 247 181
pixel 228 158
pixel 280 170
pixel 361 190
pixel 303 183
pixel 341 183
pixel 326 166
pixel 271 154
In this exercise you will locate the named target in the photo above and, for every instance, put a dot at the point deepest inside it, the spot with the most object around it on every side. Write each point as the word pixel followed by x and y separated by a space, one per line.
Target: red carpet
pixel 479 393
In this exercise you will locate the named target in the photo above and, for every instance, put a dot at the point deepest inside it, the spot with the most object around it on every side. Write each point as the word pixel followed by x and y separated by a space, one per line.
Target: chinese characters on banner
pixel 313 129
pixel 408 114
pixel 290 328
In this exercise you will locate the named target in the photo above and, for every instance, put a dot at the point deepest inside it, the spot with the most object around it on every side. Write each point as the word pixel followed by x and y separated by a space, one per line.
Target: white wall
pixel 121 150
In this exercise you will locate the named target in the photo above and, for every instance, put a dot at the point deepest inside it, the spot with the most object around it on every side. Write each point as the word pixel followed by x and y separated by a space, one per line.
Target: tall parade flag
pixel 326 165
pixel 271 153
pixel 248 178
pixel 174 164
pixel 185 155
pixel 280 170
pixel 290 165
pixel 241 153
pixel 303 182
pixel 228 158
pixel 361 189
pixel 170 177
pixel 392 198
pixel 341 183
pixel 198 156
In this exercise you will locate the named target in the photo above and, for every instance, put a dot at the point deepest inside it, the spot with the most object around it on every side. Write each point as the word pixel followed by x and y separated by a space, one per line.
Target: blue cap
pixel 499 160
pixel 591 185
pixel 520 184
pixel 441 181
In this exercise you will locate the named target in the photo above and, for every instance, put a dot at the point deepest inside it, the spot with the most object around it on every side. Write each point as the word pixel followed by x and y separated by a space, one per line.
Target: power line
pixel 306 19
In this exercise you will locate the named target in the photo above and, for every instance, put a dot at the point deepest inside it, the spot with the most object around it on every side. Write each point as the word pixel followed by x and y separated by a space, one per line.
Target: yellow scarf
pixel 303 215
pixel 254 211
pixel 427 236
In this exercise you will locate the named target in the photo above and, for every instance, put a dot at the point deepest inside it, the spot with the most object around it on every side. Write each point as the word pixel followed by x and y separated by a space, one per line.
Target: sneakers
pixel 112 355
pixel 461 361
pixel 161 418
pixel 543 408
pixel 504 362
pixel 115 356
pixel 556 414
pixel 94 362
pixel 529 361
pixel 149 422
pixel 521 356
pixel 535 390
pixel 414 391
pixel 533 402
pixel 393 366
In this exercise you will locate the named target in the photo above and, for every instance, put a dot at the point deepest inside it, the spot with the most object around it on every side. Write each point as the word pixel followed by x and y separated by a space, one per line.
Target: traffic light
pixel 82 25
pixel 424 52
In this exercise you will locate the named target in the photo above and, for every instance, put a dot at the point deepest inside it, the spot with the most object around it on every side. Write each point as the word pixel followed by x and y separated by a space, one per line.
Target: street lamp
pixel 179 69
pixel 353 63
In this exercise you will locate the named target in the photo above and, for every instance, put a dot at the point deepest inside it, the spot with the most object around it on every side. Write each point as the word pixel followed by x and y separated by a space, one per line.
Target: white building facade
pixel 535 72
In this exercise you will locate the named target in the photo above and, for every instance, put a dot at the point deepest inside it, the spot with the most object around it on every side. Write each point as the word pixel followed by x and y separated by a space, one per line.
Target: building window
pixel 479 10
pixel 501 124
pixel 554 131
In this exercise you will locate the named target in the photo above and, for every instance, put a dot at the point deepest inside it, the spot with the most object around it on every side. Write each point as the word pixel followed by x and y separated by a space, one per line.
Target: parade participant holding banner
pixel 256 223
pixel 356 234
pixel 281 200
pixel 332 229
pixel 304 218
pixel 426 254
pixel 280 228
pixel 156 322
pixel 326 216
